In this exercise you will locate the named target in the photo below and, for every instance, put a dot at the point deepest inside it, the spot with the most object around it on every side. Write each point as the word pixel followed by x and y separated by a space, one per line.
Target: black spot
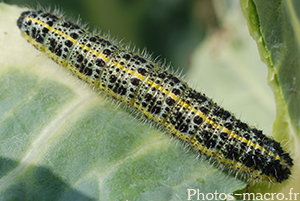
pixel 58 52
pixel 66 24
pixel 197 119
pixel 39 39
pixel 228 126
pixel 21 18
pixel 27 32
pixel 53 17
pixel 44 15
pixel 112 78
pixel 243 145
pixel 257 151
pixel 202 99
pixel 144 104
pixel 142 71
pixel 250 161
pixel 183 128
pixel 191 132
pixel 178 115
pixel 131 96
pixel 226 115
pixel 191 94
pixel 33 32
pixel 80 58
pixel 241 125
pixel 246 136
pixel 204 110
pixel 218 112
pixel 260 134
pixel 199 139
pixel 126 56
pixel 135 81
pixel 142 60
pixel 170 101
pixel 157 81
pixel 99 62
pixel 88 71
pixel 155 110
pixel 74 26
pixel 175 80
pixel 107 52
pixel 211 144
pixel 162 75
pixel 122 91
pixel 228 150
pixel 45 30
pixel 205 135
pixel 233 155
pixel 50 23
pixel 254 130
pixel 52 44
pixel 221 144
pixel 148 97
pixel 81 68
pixel 224 135
pixel 68 43
pixel 176 91
pixel 93 39
pixel 74 35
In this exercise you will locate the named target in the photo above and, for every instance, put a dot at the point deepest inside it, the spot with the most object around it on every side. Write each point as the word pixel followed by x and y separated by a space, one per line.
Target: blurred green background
pixel 169 29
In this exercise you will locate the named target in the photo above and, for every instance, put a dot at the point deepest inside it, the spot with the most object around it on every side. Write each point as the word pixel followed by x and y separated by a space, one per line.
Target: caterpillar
pixel 159 95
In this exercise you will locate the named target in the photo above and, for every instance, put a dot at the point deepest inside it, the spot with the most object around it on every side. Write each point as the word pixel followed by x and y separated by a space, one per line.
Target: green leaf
pixel 275 26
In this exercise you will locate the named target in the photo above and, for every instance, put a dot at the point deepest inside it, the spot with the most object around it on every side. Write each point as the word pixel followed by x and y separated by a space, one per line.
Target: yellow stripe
pixel 174 96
